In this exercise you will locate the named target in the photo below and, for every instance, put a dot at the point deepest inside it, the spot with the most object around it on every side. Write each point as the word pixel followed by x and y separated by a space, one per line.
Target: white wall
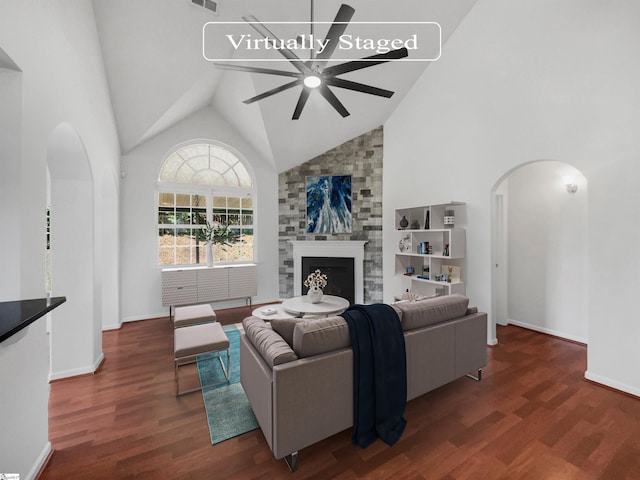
pixel 547 250
pixel 24 418
pixel 56 47
pixel 521 81
pixel 10 116
pixel 141 287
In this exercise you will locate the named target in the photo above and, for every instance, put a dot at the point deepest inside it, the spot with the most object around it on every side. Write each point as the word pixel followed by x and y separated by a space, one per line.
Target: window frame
pixel 209 192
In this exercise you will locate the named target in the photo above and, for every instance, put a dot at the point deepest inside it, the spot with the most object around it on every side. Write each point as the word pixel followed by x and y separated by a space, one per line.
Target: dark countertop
pixel 16 315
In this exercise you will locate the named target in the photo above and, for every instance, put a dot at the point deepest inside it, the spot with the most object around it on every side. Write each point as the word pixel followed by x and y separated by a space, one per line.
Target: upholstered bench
pixel 193 315
pixel 194 340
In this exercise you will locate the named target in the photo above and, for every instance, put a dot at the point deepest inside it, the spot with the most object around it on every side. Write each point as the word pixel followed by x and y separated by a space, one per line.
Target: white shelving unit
pixel 426 225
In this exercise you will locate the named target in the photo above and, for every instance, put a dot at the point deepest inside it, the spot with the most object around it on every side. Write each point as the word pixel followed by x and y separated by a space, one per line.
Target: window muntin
pixel 200 182
pixel 179 216
pixel 238 213
pixel 205 164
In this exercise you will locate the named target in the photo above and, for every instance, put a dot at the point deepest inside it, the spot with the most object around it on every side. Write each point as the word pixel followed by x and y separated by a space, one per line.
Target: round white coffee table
pixel 264 312
pixel 301 306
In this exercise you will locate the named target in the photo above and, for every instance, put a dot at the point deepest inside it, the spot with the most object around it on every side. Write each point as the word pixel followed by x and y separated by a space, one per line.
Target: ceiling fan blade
pixel 269 71
pixel 358 87
pixel 333 100
pixel 302 101
pixel 339 25
pixel 285 52
pixel 366 62
pixel 273 91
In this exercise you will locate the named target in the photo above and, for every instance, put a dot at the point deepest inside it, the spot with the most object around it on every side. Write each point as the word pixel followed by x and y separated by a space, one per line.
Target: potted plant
pixel 216 234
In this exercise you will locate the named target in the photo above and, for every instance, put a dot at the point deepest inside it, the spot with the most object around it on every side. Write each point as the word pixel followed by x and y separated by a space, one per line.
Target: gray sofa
pixel 298 373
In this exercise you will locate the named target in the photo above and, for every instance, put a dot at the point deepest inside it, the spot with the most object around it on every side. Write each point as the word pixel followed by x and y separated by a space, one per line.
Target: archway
pixel 76 340
pixel 539 249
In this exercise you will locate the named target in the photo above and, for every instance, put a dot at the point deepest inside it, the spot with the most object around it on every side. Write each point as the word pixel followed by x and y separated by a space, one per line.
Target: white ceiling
pixel 157 75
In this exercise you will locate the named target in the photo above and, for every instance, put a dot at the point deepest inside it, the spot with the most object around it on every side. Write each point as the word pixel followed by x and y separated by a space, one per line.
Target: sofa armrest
pixel 471 343
pixel 256 380
pixel 438 354
pixel 313 399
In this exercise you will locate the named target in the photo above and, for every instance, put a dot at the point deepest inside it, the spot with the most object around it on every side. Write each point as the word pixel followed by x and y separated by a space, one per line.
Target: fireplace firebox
pixel 340 275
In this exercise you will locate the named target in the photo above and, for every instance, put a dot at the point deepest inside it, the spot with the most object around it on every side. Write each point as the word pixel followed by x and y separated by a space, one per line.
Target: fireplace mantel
pixel 329 248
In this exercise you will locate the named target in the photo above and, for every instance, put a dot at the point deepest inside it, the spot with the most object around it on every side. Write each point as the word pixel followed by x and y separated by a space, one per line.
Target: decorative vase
pixel 315 295
pixel 209 254
pixel 404 223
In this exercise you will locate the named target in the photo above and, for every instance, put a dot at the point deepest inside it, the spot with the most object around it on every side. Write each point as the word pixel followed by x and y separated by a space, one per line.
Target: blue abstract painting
pixel 329 204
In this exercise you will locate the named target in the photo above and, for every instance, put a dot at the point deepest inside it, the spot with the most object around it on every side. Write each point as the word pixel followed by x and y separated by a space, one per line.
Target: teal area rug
pixel 228 411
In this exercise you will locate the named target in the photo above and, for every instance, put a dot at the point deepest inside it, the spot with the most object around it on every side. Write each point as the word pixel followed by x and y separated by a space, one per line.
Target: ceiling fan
pixel 314 74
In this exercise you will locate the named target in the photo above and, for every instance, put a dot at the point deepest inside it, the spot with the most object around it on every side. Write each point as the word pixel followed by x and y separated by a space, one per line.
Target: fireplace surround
pixel 330 249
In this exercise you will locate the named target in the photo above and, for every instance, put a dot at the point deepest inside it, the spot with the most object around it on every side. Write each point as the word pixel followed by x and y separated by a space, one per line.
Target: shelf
pixel 427 255
pixel 424 280
pixel 415 278
pixel 434 230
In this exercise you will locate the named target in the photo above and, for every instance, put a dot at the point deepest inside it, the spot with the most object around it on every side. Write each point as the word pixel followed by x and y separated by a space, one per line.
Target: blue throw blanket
pixel 379 374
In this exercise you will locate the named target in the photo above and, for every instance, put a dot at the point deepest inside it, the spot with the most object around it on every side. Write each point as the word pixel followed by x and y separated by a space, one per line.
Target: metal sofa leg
pixel 476 378
pixel 292 461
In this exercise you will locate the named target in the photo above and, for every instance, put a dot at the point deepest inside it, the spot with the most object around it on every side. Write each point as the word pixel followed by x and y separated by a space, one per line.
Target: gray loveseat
pixel 298 374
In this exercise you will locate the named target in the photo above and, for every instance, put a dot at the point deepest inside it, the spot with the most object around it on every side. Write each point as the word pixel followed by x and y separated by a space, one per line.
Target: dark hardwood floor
pixel 533 416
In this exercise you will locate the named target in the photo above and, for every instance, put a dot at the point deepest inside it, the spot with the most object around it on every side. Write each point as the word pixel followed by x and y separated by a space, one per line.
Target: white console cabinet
pixel 192 285
pixel 438 227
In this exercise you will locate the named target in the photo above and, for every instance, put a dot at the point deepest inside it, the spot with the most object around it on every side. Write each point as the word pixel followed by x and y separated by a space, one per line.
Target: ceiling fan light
pixel 312 81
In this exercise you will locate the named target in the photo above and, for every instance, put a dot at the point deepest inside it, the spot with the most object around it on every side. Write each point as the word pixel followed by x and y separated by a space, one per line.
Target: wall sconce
pixel 570 183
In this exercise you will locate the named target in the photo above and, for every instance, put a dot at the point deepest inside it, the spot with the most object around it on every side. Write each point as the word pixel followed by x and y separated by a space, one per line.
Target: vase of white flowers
pixel 316 281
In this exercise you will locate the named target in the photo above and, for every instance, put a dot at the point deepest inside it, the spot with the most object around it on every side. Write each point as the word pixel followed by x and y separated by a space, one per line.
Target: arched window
pixel 200 182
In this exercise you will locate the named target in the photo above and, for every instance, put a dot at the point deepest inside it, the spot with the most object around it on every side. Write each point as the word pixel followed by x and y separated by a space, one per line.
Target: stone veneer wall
pixel 362 159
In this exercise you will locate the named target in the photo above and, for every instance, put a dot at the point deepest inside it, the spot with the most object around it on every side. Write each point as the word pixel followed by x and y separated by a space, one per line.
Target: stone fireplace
pixel 329 256
pixel 360 157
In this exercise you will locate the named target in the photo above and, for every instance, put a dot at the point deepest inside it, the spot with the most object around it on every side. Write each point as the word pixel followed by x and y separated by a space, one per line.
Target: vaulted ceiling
pixel 157 74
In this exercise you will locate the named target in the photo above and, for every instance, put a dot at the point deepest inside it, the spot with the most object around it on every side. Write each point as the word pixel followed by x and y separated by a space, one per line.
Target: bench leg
pixel 177 375
pixel 226 370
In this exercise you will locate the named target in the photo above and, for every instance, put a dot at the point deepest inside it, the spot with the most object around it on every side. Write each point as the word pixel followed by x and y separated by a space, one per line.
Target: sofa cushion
pixel 284 327
pixel 397 309
pixel 321 335
pixel 272 347
pixel 432 310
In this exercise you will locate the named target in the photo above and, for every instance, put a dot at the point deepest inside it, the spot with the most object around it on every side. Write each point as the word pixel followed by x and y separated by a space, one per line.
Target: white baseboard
pixel 74 372
pixel 114 326
pixel 623 387
pixel 548 331
pixel 98 362
pixel 40 462
pixel 150 316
